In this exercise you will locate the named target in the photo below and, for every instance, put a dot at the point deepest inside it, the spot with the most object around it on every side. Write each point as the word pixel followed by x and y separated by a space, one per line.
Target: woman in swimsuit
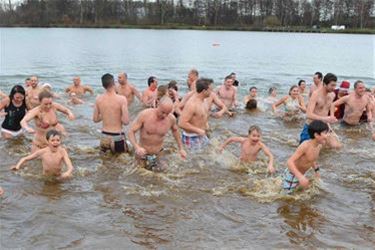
pixel 293 103
pixel 45 118
pixel 14 108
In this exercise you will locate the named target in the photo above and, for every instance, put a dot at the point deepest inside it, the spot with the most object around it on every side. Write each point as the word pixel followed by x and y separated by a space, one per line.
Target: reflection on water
pixel 209 200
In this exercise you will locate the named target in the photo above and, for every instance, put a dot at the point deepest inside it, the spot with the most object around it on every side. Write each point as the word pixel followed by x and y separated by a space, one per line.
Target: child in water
pixel 251 146
pixel 305 157
pixel 52 157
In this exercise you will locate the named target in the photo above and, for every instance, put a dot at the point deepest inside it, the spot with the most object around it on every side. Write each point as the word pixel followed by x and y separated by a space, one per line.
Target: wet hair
pixel 253 87
pixel 329 77
pixel 256 128
pixel 28 79
pixel 173 85
pixel 300 82
pixel 51 133
pixel 232 74
pixel 150 80
pixel 251 104
pixel 291 88
pixel 126 75
pixel 356 83
pixel 318 127
pixel 107 81
pixel 44 94
pixel 17 89
pixel 271 90
pixel 319 74
pixel 203 84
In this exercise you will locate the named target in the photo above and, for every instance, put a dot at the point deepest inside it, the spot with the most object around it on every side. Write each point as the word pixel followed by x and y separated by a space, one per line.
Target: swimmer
pixel 153 125
pixel 271 98
pixel 293 103
pixel 251 146
pixel 150 94
pixel 45 116
pixel 52 157
pixel 78 88
pixel 305 157
pixel 302 88
pixel 356 103
pixel 252 94
pixel 228 93
pixel 126 89
pixel 194 116
pixel 319 109
pixel 111 109
pixel 317 82
pixel 32 93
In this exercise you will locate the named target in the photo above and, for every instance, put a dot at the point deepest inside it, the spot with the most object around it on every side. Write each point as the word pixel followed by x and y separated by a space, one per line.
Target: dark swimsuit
pixel 119 142
pixel 14 116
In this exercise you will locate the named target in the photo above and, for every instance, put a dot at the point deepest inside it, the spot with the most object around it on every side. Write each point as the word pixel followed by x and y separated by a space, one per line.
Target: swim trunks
pixel 290 181
pixel 114 142
pixel 193 141
pixel 151 162
pixel 304 136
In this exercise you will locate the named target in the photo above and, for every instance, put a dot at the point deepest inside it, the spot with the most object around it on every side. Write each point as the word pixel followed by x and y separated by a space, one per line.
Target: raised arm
pixel 88 89
pixel 267 152
pixel 28 158
pixel 64 110
pixel 29 116
pixel 338 102
pixel 231 140
pixel 278 103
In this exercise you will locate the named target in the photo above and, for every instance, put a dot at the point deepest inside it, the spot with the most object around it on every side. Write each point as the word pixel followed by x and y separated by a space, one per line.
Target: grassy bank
pixel 203 27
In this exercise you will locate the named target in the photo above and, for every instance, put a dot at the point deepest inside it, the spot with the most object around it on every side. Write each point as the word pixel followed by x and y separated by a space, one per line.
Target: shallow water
pixel 209 200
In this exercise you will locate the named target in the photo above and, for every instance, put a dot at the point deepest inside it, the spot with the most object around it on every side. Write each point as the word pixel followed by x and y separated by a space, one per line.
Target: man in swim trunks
pixel 319 108
pixel 32 93
pixel 355 104
pixel 126 89
pixel 194 117
pixel 112 110
pixel 154 124
pixel 305 157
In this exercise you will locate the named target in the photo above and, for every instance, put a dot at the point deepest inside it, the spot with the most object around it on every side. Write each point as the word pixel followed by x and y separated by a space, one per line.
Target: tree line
pixel 356 14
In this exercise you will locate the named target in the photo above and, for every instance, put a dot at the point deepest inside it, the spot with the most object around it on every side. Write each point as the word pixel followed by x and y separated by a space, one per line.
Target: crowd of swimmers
pixel 186 117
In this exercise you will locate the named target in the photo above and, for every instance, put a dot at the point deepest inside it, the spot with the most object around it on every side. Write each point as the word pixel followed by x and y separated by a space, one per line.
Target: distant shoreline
pixel 203 27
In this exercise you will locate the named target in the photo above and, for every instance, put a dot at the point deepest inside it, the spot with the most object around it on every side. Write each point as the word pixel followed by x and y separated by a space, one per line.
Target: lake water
pixel 208 201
